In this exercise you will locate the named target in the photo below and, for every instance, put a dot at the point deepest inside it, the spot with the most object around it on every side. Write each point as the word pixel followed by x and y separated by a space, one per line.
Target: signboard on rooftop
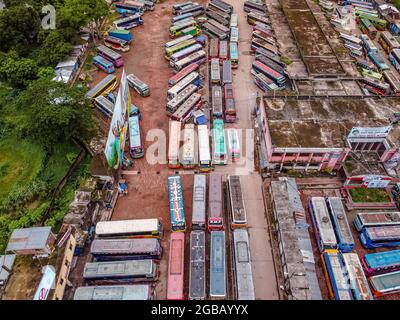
pixel 369 132
pixel 45 284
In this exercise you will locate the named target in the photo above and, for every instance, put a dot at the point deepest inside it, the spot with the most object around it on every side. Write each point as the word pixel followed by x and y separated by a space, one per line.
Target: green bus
pixel 176 29
pixel 378 23
pixel 180 46
pixel 219 144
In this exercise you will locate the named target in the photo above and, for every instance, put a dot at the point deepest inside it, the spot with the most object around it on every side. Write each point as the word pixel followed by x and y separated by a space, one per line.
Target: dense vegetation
pixel 369 195
pixel 40 119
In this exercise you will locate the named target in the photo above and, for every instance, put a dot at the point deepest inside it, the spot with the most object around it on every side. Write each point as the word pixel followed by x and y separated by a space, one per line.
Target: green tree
pixel 56 113
pixel 17 72
pixel 53 48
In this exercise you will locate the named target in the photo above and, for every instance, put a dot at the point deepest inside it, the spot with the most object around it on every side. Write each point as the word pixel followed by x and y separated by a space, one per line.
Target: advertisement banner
pixel 371 132
pixel 45 284
pixel 114 150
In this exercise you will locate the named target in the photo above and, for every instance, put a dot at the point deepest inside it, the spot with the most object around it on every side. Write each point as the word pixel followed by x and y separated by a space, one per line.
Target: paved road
pixel 245 96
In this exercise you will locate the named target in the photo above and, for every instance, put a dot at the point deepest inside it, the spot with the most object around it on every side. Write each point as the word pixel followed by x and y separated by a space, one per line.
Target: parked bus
pixel 116 44
pixel 265 83
pixel 193 31
pixel 340 224
pixel 250 6
pixel 223 51
pixel 118 292
pixel 175 30
pixel 254 17
pixel 179 47
pixel 218 25
pixel 197 271
pixel 103 64
pixel 215 202
pixel 110 55
pixel 358 282
pixel 375 219
pixel 125 249
pixel 394 82
pixel 271 56
pixel 176 210
pixel 264 28
pixel 174 144
pixel 182 17
pixel 136 148
pixel 214 31
pixel 120 271
pixel 148 5
pixel 233 144
pixel 179 6
pixel 217 265
pixel 387 283
pixel 278 78
pixel 324 231
pixel 185 52
pixel 177 41
pixel 258 43
pixel 135 228
pixel 270 63
pixel 234 35
pixel 219 146
pixel 233 54
pixel 368 44
pixel 182 74
pixel 176 267
pixel 180 98
pixel 120 34
pixel 230 108
pixel 243 273
pixel 197 57
pixel 137 84
pixel 221 5
pixel 217 106
pixel 365 64
pixel 204 148
pixel 195 10
pixel 211 11
pixel 184 112
pixel 264 36
pixel 192 78
pixel 215 72
pixel 381 262
pixel 350 39
pixel 128 22
pixel 336 279
pixel 106 85
pixel 227 72
pixel 375 86
pixel 213 48
pixel 388 41
pixel 368 28
pixel 394 58
pixel 104 105
pixel 382 236
pixel 234 21
pixel 129 7
pixel 236 203
pixel 199 202
pixel 188 156
pixel 380 24
pixel 215 16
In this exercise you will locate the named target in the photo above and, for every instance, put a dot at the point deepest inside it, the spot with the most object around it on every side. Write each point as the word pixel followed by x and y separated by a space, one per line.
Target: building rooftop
pixel 323 122
pixel 29 239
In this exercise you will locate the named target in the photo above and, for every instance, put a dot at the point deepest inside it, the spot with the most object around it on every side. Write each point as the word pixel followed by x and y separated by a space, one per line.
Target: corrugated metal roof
pixel 28 238
pixel 8 262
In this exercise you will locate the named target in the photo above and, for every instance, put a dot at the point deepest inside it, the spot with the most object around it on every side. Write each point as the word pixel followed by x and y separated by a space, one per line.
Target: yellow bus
pixel 108 84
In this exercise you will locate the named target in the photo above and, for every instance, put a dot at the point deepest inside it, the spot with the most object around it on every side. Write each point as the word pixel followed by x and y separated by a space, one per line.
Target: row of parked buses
pixel 336 243
pixel 268 69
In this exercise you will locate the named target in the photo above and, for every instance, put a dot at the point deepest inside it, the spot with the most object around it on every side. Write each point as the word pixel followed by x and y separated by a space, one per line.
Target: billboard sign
pixel 45 284
pixel 369 132
pixel 375 181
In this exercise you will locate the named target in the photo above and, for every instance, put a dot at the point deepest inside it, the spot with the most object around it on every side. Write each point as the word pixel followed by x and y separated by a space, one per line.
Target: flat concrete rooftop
pixel 324 122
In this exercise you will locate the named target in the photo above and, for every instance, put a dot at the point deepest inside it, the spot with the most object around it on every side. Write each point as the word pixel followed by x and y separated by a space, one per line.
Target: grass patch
pixel 286 60
pixel 20 162
pixel 369 195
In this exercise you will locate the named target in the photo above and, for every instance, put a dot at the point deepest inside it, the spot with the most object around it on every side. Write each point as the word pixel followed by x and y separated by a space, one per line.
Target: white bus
pixel 174 143
pixel 215 71
pixel 199 202
pixel 234 34
pixel 204 148
pixel 117 292
pixel 185 110
pixel 180 98
pixel 192 78
pixel 234 21
pixel 348 38
pixel 218 25
pixel 135 228
pixel 233 144
pixel 198 57
pixel 178 40
pixel 185 52
pixel 188 155
pixel 217 106
pixel 104 105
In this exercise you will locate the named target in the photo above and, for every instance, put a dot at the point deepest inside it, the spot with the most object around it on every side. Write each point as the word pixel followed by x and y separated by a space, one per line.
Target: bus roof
pixel 218 264
pixel 176 266
pixel 340 220
pixel 215 195
pixel 177 212
pixel 123 246
pixel 379 218
pixel 121 292
pixel 103 83
pixel 197 285
pixel 324 224
pixel 386 282
pixel 117 268
pixel 174 138
pixel 204 143
pixel 126 226
pixel 219 136
pixel 233 50
pixel 383 259
pixel 383 232
pixel 188 142
pixel 236 198
pixel 337 277
pixel 199 199
pixel 134 132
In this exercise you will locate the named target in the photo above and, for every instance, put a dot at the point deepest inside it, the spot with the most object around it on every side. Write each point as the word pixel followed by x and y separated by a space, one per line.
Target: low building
pixel 318 134
pixel 295 250
pixel 31 241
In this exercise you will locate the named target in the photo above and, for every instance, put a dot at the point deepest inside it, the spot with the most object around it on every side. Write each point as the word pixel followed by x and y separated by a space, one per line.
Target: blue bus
pixel 378 61
pixel 394 58
pixel 217 265
pixel 124 8
pixel 103 64
pixel 335 275
pixel 380 262
pixel 340 224
pixel 176 210
pixel 382 236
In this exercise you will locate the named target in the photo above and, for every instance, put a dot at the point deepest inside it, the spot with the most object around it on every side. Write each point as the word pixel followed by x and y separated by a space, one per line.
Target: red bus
pixel 183 73
pixel 176 266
